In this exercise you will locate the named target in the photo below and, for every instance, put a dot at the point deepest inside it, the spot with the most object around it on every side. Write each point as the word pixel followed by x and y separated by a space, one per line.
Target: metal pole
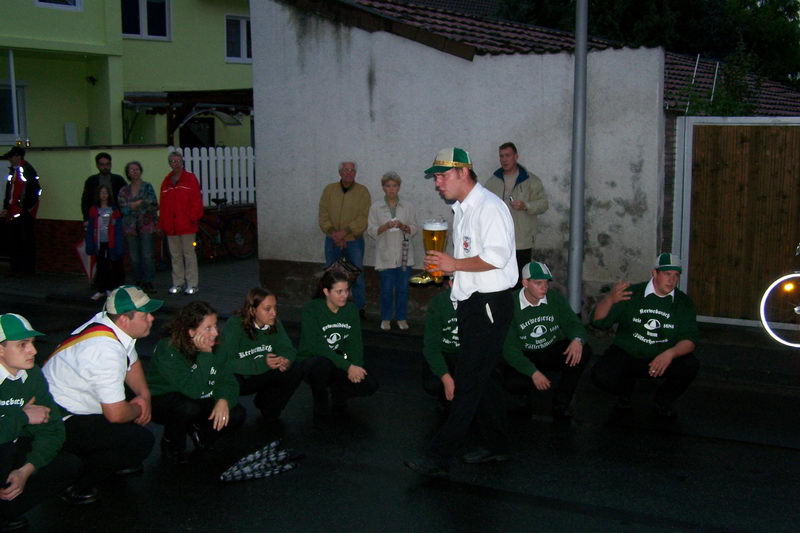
pixel 575 267
pixel 13 80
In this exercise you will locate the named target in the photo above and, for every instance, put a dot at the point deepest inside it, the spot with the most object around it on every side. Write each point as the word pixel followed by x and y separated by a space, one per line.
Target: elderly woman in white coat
pixel 392 223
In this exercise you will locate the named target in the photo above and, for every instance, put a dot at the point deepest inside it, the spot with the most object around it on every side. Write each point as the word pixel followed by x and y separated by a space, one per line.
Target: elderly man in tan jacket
pixel 343 210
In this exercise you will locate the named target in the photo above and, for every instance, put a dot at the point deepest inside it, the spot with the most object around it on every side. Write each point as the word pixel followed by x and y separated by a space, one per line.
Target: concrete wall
pixel 326 93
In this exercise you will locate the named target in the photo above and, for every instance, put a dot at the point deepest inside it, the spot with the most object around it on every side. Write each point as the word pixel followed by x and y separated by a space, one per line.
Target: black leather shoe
pixel 666 413
pixel 561 413
pixel 426 466
pixel 482 455
pixel 74 496
pixel 134 470
pixel 17 524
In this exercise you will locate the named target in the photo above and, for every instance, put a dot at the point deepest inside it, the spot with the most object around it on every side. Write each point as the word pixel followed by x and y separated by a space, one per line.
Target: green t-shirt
pixel 649 325
pixel 247 356
pixel 441 333
pixel 537 328
pixel 46 439
pixel 326 333
pixel 208 377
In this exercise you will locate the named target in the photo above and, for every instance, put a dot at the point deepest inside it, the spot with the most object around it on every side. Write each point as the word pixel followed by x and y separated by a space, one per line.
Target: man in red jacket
pixel 180 210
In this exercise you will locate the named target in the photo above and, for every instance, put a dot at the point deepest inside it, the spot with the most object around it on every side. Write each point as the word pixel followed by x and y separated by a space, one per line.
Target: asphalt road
pixel 730 463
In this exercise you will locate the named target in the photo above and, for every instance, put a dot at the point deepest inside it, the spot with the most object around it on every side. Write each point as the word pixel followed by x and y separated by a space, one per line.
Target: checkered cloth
pixel 269 461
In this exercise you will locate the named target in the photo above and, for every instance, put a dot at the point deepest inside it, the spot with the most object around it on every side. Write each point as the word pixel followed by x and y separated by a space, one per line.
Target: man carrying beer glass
pixel 485 269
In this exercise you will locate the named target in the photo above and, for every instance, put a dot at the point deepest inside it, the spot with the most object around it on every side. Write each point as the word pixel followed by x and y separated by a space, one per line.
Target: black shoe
pixel 623 404
pixel 561 413
pixel 173 455
pixel 426 466
pixel 134 470
pixel 482 455
pixel 75 496
pixel 17 524
pixel 667 413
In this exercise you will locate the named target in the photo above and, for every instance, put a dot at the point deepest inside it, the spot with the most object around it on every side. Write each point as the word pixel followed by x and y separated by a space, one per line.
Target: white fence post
pixel 223 172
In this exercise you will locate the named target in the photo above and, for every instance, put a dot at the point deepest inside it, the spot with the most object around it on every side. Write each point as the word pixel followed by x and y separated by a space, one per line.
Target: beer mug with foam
pixel 434 237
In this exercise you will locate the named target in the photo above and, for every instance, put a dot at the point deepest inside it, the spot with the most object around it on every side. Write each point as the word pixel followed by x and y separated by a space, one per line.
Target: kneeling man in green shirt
pixel 545 335
pixel 656 336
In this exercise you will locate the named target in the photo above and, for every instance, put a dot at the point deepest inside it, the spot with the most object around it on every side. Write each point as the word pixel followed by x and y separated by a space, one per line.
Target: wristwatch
pixel 578 339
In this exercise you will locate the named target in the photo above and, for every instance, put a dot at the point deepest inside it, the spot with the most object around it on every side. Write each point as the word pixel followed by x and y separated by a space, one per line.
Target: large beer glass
pixel 434 237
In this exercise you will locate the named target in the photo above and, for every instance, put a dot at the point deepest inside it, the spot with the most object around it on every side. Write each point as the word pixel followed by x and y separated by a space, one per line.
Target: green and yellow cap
pixel 448 158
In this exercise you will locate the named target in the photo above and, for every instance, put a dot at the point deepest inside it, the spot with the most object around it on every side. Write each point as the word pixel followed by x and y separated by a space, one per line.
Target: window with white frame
pixel 146 19
pixel 74 5
pixel 7 135
pixel 238 48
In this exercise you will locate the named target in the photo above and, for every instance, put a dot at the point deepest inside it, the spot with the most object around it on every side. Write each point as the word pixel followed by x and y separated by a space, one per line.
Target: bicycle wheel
pixel 780 310
pixel 239 237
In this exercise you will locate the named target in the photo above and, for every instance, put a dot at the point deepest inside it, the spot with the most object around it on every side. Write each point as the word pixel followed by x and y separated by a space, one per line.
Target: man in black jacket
pixel 115 182
pixel 20 204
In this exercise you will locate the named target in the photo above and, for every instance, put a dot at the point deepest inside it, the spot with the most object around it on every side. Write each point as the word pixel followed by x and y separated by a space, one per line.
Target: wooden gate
pixel 745 214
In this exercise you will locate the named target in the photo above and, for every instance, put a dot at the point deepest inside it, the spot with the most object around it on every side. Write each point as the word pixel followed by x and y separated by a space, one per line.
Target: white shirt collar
pixel 524 303
pixel 102 318
pixel 5 374
pixel 650 289
pixel 472 198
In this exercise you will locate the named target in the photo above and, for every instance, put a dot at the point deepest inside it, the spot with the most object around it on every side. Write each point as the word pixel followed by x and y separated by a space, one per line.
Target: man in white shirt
pixel 485 269
pixel 87 375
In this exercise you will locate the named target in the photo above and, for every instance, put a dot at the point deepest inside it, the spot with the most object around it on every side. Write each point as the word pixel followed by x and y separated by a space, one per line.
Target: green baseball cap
pixel 14 327
pixel 536 270
pixel 667 261
pixel 448 158
pixel 130 298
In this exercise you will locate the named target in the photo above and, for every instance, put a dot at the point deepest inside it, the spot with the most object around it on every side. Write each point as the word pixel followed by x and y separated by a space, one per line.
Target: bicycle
pixel 780 308
pixel 229 228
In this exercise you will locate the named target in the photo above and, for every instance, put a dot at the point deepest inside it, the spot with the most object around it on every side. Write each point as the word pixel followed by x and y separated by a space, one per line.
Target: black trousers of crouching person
pixel 272 389
pixel 483 321
pixel 181 416
pixel 45 482
pixel 548 360
pixel 616 372
pixel 105 447
pixel 321 374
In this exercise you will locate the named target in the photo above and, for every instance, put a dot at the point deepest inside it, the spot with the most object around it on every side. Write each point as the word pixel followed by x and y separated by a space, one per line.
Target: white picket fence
pixel 227 172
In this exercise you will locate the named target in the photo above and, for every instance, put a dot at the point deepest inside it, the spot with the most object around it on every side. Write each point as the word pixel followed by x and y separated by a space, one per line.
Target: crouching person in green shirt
pixel 440 347
pixel 31 429
pixel 331 348
pixel 656 336
pixel 545 335
pixel 193 390
pixel 261 355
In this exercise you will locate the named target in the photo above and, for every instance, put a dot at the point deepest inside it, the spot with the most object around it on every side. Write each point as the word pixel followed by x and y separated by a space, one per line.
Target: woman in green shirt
pixel 331 347
pixel 193 390
pixel 261 355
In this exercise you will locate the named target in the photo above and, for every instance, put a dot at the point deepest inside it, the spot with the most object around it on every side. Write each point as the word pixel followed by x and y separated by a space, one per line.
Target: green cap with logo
pixel 130 298
pixel 536 270
pixel 14 327
pixel 448 158
pixel 667 261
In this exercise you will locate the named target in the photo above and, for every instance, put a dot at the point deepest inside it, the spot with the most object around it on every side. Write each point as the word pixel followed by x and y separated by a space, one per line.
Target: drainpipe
pixel 576 216
pixel 13 80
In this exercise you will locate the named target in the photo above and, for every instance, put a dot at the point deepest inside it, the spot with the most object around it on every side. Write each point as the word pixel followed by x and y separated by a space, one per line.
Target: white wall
pixel 326 93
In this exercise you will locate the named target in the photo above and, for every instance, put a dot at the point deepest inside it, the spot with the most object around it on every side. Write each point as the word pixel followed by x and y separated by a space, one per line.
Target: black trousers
pixel 616 372
pixel 21 242
pixel 46 481
pixel 321 374
pixel 431 383
pixel 548 360
pixel 479 383
pixel 523 258
pixel 272 389
pixel 105 447
pixel 180 415
pixel 109 274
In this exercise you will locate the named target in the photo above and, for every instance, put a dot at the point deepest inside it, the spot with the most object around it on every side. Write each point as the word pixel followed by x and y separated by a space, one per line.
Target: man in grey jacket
pixel 524 193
